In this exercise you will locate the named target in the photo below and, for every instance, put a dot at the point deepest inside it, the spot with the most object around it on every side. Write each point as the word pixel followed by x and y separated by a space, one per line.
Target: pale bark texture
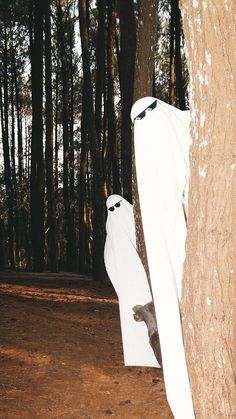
pixel 208 299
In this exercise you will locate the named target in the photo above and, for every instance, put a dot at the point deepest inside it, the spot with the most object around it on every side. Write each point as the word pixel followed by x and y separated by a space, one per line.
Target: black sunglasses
pixel 117 205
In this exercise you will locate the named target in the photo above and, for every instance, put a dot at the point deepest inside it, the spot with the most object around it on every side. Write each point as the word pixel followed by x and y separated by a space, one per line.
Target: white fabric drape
pixel 161 139
pixel 128 277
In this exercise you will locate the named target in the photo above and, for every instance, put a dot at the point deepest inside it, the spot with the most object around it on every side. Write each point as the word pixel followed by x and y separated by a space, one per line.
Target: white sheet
pixel 161 154
pixel 129 280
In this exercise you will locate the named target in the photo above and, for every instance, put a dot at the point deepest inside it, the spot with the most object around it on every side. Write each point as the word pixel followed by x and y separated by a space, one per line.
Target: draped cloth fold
pixel 161 142
pixel 128 277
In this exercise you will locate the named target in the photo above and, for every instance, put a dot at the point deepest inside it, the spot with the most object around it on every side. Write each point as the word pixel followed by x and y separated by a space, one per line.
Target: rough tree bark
pixel 143 79
pixel 208 300
pixel 143 86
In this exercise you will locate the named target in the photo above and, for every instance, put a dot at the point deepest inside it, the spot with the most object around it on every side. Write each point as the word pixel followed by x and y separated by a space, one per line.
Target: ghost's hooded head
pixel 119 216
pixel 140 106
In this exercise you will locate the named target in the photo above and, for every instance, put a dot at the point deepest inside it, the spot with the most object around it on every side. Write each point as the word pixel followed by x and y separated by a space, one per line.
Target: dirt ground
pixel 61 354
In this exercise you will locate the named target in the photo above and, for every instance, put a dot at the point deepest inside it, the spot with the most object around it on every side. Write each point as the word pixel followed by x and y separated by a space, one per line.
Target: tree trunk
pixel 180 94
pixel 21 227
pixel 98 186
pixel 100 66
pixel 143 83
pixel 37 161
pixel 51 208
pixel 172 55
pixel 83 237
pixel 2 247
pixel 127 63
pixel 71 252
pixel 208 300
pixel 6 153
pixel 111 71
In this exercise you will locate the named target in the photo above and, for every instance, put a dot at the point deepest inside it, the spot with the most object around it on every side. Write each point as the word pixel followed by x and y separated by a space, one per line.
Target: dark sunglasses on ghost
pixel 117 205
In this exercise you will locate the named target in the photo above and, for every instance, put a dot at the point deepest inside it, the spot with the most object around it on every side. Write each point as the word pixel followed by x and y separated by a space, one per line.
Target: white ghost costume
pixel 161 142
pixel 128 277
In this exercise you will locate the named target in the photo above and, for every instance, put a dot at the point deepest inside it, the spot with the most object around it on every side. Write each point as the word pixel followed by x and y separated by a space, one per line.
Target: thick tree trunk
pixel 208 300
pixel 143 83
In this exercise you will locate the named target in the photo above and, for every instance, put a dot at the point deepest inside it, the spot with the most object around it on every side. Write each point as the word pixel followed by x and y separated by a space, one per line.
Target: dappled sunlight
pixel 23 355
pixel 50 294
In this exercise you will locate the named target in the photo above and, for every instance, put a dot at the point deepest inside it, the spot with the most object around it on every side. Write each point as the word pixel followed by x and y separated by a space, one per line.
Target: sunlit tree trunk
pixel 208 300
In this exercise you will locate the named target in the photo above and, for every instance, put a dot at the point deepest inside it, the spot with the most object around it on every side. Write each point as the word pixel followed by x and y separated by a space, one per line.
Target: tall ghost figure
pixel 161 142
pixel 129 280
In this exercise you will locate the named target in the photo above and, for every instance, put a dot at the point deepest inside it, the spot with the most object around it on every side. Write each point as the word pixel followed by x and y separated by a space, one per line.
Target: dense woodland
pixel 68 80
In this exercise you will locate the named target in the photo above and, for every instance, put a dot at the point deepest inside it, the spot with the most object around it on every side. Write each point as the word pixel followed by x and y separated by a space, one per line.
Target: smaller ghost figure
pixel 129 279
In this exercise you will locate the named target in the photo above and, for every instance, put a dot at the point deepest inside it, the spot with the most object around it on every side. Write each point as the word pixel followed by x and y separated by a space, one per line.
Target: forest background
pixel 67 84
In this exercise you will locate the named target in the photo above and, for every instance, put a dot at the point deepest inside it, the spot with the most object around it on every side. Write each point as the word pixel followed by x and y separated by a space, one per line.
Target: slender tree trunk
pixel 82 193
pixel 2 247
pixel 98 186
pixel 178 58
pixel 56 133
pixel 21 226
pixel 127 64
pixel 208 299
pixel 51 207
pixel 100 67
pixel 172 55
pixel 6 153
pixel 37 161
pixel 69 221
pixel 72 151
pixel 111 70
pixel 13 170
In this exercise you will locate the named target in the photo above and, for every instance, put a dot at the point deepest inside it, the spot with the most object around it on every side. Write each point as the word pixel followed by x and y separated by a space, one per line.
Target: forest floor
pixel 61 353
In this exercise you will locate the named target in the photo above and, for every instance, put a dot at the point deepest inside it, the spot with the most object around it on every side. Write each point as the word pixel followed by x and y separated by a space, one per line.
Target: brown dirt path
pixel 61 353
